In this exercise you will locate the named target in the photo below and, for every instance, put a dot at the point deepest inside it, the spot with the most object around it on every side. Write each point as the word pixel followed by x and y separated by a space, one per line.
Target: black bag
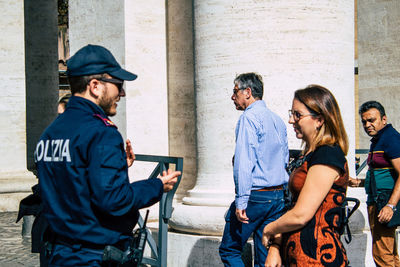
pixel 32 205
pixel 346 211
pixel 295 161
pixel 382 198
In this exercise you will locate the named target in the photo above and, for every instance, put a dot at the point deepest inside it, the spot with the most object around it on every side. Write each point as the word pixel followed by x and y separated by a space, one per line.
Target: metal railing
pixel 159 250
pixel 364 163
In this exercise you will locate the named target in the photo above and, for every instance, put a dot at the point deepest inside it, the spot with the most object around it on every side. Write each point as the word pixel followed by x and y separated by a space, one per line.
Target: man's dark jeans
pixel 263 207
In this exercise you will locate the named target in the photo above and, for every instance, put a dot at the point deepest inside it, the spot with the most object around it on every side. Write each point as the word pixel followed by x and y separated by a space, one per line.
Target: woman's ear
pixel 320 121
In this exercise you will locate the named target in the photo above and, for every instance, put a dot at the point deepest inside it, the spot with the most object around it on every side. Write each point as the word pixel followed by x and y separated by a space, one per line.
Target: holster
pixel 133 255
pixel 117 257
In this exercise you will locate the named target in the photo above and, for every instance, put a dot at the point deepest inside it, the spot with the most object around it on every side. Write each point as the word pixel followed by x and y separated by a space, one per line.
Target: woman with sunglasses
pixel 307 235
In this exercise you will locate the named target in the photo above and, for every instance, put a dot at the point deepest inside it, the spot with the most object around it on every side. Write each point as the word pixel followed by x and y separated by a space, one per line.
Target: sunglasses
pixel 236 90
pixel 119 83
pixel 298 116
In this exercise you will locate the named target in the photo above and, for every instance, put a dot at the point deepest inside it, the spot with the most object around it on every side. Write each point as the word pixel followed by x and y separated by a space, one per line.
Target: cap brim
pixel 123 75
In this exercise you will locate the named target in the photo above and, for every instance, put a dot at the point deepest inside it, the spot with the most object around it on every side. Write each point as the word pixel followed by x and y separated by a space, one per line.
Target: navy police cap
pixel 95 59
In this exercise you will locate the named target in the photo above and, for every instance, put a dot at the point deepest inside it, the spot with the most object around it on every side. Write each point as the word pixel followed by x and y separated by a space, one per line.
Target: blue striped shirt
pixel 261 153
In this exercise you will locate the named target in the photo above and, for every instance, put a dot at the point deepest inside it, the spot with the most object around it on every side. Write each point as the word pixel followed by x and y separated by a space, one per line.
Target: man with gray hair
pixel 261 156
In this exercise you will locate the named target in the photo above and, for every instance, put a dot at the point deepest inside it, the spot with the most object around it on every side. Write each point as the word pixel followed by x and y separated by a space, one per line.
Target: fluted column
pixel 41 70
pixel 291 44
pixel 379 58
pixel 378 62
pixel 147 98
pixel 13 133
pixel 100 22
pixel 12 65
pixel 29 81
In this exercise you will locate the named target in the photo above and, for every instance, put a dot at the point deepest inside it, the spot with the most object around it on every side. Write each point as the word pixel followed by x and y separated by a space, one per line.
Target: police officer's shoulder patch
pixel 106 121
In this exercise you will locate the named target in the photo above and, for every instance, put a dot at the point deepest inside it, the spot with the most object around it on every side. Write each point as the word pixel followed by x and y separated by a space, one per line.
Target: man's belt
pixel 271 188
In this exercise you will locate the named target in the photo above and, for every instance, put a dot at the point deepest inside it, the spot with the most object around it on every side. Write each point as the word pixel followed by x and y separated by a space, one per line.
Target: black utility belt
pixel 77 244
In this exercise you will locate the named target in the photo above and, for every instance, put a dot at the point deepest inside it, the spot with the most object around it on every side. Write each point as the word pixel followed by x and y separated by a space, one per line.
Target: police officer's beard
pixel 107 104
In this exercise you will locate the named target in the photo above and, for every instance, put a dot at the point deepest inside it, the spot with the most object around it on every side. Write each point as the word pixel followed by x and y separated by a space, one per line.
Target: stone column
pixel 181 93
pixel 15 179
pixel 12 80
pixel 100 22
pixel 147 98
pixel 291 44
pixel 41 69
pixel 135 34
pixel 378 35
pixel 379 58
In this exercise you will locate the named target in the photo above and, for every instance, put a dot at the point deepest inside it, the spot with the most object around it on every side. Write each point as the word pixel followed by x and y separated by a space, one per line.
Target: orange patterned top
pixel 318 243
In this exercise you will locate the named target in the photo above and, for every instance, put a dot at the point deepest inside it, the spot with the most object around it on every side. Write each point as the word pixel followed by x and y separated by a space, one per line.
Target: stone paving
pixel 15 250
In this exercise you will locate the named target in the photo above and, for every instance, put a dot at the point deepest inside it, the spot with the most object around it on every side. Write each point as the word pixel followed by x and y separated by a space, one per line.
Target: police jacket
pixel 83 177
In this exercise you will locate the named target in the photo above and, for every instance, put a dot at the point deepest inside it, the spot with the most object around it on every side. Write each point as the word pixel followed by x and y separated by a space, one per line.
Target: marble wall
pixel 100 22
pixel 29 82
pixel 379 58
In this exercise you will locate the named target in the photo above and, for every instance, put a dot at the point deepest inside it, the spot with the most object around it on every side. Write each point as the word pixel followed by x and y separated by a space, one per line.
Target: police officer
pixel 83 167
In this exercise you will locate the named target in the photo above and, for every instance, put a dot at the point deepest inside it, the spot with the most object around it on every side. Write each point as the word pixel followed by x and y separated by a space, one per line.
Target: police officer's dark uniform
pixel 83 174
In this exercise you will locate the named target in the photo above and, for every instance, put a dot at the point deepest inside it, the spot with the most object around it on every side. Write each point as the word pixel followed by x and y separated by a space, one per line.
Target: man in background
pixel 384 164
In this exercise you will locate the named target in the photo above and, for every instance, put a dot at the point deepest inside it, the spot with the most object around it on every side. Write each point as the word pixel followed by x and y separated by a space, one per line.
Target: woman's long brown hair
pixel 321 102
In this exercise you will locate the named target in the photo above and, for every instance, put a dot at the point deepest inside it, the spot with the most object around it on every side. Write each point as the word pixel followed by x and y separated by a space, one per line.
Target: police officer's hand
pixel 385 215
pixel 130 156
pixel 169 179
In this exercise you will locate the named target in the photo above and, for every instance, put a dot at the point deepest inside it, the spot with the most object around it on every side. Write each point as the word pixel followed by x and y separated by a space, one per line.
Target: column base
pixel 197 250
pixel 10 201
pixel 213 190
pixel 359 251
pixel 207 197
pixel 14 186
pixel 12 182
pixel 203 220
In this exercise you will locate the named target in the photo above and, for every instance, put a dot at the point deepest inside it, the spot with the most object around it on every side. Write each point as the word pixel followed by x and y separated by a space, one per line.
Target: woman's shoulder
pixel 328 155
pixel 329 149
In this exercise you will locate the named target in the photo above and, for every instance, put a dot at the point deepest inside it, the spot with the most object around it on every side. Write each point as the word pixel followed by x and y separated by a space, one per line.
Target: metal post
pixel 159 251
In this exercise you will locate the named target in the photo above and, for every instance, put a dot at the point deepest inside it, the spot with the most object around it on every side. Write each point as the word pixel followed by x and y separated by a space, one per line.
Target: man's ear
pixel 94 89
pixel 247 92
pixel 384 118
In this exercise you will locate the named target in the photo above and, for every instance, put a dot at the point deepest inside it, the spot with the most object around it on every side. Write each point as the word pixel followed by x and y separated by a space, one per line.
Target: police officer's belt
pixel 65 241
